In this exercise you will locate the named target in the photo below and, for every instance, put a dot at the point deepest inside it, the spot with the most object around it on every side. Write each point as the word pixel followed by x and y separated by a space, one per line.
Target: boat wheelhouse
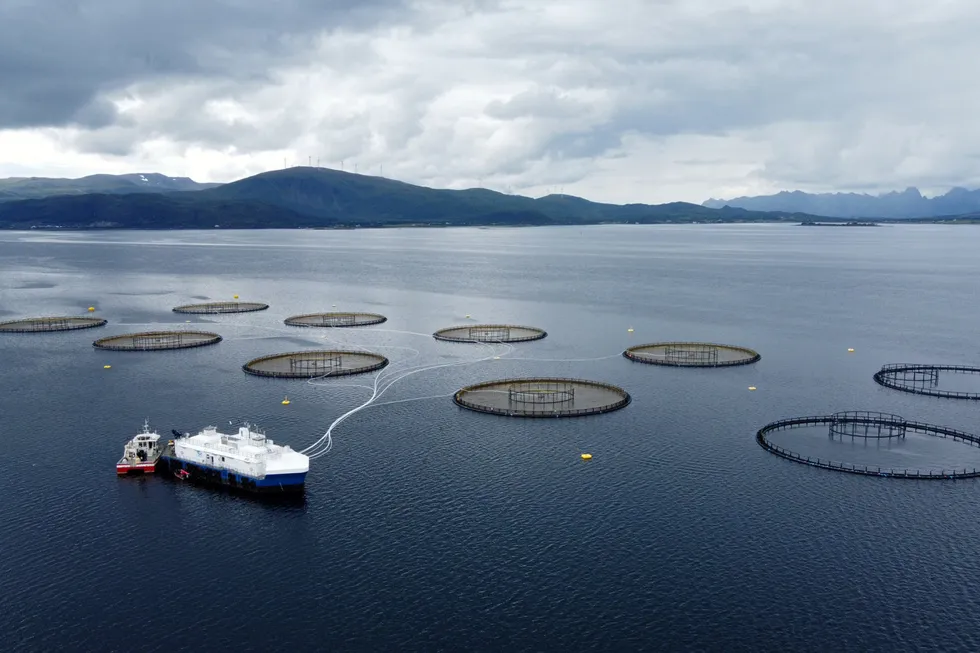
pixel 140 455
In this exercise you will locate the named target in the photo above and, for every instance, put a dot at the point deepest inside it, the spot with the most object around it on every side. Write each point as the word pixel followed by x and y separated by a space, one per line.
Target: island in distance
pixel 907 204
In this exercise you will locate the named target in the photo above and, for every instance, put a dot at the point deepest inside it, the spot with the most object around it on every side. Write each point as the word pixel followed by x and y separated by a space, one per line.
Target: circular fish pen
pixel 315 364
pixel 490 333
pixel 46 324
pixel 542 397
pixel 691 354
pixel 335 319
pixel 157 340
pixel 867 425
pixel 924 379
pixel 213 308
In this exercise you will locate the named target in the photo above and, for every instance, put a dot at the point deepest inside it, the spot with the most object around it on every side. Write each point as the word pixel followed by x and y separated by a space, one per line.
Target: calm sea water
pixel 427 527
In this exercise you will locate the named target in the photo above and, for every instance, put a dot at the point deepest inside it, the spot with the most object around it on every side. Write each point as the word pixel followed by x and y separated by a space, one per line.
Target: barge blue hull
pixel 276 484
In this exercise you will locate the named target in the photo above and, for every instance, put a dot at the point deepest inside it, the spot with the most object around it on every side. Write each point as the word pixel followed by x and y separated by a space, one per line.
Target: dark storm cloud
pixel 757 93
pixel 57 57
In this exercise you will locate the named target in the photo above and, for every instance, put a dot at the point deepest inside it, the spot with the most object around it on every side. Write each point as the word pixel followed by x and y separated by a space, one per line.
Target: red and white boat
pixel 140 455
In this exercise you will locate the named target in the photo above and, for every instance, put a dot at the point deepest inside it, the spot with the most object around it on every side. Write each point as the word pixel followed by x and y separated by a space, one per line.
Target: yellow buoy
pixel 235 297
pixel 751 387
pixel 850 349
pixel 630 329
pixel 285 402
pixel 105 367
pixel 467 316
pixel 586 456
pixel 91 308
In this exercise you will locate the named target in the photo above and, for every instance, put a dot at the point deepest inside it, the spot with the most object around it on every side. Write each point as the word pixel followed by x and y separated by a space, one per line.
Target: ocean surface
pixel 427 527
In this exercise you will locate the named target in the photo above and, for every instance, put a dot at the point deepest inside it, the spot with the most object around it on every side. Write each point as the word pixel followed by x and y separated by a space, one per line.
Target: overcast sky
pixel 614 100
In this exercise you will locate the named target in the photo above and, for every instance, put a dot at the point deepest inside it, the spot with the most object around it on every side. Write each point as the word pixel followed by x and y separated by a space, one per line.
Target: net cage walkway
pixel 157 340
pixel 867 424
pixel 923 379
pixel 48 324
pixel 504 333
pixel 335 319
pixel 691 354
pixel 315 364
pixel 542 397
pixel 213 308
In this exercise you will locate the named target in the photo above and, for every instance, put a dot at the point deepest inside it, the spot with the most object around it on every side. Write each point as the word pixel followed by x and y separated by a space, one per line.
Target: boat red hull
pixel 139 468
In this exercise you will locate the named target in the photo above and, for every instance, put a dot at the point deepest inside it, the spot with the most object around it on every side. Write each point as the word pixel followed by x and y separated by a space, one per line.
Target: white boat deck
pixel 246 452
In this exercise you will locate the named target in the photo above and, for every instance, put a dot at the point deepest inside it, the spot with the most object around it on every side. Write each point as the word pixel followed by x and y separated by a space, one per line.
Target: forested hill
pixel 23 188
pixel 318 197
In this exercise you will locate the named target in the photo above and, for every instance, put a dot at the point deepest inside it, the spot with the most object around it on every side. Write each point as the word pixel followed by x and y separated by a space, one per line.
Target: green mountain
pixel 147 211
pixel 21 188
pixel 317 197
pixel 363 199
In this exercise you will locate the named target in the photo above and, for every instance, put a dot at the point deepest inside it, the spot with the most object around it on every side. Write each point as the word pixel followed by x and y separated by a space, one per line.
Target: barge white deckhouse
pixel 246 458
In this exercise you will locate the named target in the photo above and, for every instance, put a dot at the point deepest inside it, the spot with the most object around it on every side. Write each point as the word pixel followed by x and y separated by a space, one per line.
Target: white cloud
pixel 633 101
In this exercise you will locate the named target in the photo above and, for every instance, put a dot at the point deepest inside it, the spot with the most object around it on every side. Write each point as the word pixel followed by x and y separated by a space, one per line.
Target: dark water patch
pixel 138 316
pixel 33 285
pixel 148 293
pixel 280 340
pixel 913 451
pixel 429 527
pixel 954 382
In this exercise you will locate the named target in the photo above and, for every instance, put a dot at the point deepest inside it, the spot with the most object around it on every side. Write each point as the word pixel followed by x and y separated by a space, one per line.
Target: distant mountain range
pixel 324 198
pixel 22 188
pixel 895 205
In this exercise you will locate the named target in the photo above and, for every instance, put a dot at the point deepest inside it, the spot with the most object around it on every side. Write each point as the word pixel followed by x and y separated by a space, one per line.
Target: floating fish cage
pixel 867 424
pixel 492 333
pixel 691 354
pixel 212 308
pixel 315 364
pixel 46 324
pixel 923 379
pixel 335 319
pixel 542 397
pixel 157 340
